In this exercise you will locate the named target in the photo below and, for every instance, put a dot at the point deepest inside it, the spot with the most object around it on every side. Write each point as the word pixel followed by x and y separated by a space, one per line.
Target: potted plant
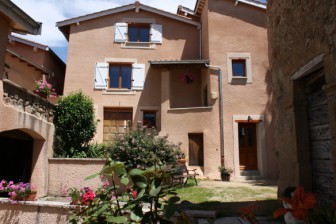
pixel 44 89
pixel 80 196
pixel 181 157
pixel 21 191
pixel 225 172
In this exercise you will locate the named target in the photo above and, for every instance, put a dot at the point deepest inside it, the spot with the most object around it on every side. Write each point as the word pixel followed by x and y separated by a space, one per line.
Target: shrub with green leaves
pixel 141 148
pixel 74 125
pixel 148 189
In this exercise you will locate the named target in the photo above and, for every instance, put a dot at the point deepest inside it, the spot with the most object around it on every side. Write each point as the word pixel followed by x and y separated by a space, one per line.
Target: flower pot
pixel 182 160
pixel 225 176
pixel 41 94
pixel 30 197
pixel 76 202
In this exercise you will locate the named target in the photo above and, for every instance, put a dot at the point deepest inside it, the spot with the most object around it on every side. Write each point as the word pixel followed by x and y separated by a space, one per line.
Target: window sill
pixel 190 108
pixel 119 92
pixel 138 45
pixel 239 77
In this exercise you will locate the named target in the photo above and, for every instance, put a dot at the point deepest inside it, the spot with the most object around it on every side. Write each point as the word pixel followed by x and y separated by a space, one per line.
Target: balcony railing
pixel 26 101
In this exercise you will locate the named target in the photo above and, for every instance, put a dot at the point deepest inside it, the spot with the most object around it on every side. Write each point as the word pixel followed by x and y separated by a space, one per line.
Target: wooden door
pixel 247 146
pixel 320 137
pixel 196 154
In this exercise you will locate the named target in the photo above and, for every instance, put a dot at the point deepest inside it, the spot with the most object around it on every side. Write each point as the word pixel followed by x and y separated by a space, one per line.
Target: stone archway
pixel 16 148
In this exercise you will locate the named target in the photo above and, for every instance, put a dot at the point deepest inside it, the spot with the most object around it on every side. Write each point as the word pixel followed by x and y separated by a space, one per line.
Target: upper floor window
pixel 239 68
pixel 119 76
pixel 138 32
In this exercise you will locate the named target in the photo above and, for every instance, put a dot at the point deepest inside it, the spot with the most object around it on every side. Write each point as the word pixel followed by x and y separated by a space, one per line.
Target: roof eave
pixel 18 16
pixel 122 9
pixel 253 3
pixel 28 42
pixel 179 62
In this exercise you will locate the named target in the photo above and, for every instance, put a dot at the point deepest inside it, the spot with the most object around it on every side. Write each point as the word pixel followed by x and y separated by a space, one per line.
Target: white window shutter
pixel 138 72
pixel 101 75
pixel 120 32
pixel 156 33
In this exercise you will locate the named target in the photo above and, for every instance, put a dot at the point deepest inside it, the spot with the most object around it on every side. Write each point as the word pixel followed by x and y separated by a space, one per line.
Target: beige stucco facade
pixel 240 31
pixel 225 32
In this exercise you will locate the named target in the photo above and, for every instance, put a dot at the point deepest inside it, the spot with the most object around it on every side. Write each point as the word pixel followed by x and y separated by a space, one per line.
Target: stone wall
pixel 26 101
pixel 299 31
pixel 65 173
pixel 32 212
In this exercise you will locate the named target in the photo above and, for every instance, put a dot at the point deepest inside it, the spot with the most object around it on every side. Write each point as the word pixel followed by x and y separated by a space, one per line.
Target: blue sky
pixel 51 11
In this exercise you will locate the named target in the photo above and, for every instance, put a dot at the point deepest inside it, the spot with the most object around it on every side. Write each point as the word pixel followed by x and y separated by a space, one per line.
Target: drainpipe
pixel 221 112
pixel 200 39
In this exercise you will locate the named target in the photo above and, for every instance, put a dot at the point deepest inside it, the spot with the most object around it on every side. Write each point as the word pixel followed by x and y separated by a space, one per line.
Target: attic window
pixel 138 32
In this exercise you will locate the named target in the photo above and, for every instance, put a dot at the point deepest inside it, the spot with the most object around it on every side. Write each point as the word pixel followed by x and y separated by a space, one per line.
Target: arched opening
pixel 16 148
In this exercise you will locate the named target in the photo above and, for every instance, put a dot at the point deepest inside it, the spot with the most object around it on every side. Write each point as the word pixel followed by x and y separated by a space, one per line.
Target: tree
pixel 74 125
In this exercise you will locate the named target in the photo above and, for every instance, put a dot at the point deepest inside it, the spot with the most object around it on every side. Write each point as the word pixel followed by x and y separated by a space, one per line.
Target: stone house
pixel 302 58
pixel 200 76
pixel 26 131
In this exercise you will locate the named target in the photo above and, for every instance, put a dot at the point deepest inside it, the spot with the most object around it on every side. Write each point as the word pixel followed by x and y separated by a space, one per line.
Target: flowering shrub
pixel 45 87
pixel 148 189
pixel 142 149
pixel 187 78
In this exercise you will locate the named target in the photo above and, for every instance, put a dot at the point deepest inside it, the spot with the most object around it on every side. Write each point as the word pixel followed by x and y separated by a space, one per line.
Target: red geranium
pixel 300 204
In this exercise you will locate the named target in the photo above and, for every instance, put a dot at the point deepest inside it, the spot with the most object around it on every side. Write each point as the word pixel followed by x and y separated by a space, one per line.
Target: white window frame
pixel 131 61
pixel 248 68
pixel 154 29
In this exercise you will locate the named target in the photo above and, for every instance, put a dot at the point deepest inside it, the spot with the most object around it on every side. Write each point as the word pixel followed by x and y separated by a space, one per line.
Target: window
pixel 149 119
pixel 239 68
pixel 119 76
pixel 138 33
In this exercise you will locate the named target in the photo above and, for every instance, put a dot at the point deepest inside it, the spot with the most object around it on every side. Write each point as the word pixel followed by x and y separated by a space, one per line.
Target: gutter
pixel 221 111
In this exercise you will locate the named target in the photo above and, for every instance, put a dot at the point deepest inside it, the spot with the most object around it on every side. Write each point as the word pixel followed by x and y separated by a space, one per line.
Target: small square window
pixel 239 67
pixel 138 33
pixel 149 119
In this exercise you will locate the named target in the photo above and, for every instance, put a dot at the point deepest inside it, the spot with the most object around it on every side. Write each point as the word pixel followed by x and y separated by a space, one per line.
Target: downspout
pixel 200 39
pixel 221 112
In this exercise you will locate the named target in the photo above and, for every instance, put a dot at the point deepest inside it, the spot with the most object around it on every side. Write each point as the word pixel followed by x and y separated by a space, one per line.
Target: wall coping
pixel 76 159
pixel 53 204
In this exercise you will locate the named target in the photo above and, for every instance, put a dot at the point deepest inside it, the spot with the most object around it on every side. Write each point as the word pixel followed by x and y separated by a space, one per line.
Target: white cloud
pixel 51 11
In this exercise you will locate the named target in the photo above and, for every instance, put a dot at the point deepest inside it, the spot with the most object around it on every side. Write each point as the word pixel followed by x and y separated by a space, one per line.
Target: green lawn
pixel 228 197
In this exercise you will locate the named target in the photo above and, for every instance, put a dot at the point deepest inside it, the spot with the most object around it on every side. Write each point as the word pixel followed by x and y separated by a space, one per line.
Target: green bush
pixel 74 125
pixel 142 149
